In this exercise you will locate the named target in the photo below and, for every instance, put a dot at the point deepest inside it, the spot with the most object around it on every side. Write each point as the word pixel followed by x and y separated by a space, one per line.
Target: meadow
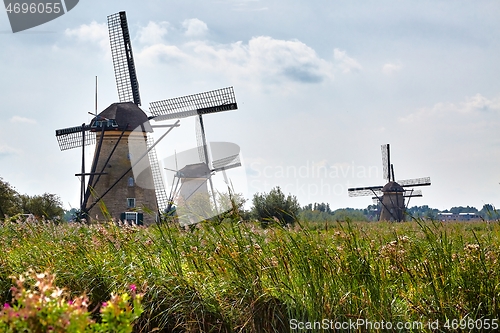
pixel 236 276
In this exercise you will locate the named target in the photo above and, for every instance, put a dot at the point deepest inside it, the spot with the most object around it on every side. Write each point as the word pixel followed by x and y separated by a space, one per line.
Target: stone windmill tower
pixel 393 194
pixel 124 172
pixel 127 176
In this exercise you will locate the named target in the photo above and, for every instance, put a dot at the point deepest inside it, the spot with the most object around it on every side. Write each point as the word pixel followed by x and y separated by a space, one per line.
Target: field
pixel 238 277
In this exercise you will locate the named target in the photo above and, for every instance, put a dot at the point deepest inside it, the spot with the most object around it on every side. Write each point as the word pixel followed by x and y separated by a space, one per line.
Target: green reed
pixel 237 277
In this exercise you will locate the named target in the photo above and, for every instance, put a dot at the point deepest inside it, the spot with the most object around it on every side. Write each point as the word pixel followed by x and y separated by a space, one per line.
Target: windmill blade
pixel 412 193
pixel 426 181
pixel 199 141
pixel 226 163
pixel 386 162
pixel 123 60
pixel 161 194
pixel 69 138
pixel 364 191
pixel 227 167
pixel 187 106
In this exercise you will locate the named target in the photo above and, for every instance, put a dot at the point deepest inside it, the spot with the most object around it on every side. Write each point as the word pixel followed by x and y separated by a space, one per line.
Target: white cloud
pixel 153 33
pixel 18 119
pixel 195 27
pixel 93 32
pixel 479 102
pixel 267 60
pixel 6 150
pixel 389 68
pixel 346 63
pixel 162 53
pixel 470 106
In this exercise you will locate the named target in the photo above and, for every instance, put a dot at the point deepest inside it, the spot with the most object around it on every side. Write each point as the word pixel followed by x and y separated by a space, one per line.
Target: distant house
pixel 458 217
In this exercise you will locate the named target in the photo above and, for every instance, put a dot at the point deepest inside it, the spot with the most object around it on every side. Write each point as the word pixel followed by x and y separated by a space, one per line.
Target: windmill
pixel 190 178
pixel 125 177
pixel 194 176
pixel 392 195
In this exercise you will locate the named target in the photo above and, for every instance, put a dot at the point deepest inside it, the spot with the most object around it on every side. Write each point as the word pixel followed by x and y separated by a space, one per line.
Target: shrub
pixel 40 306
pixel 275 206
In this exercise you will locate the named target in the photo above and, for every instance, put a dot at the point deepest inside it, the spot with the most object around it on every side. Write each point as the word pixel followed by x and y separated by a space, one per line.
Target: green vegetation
pixel 40 306
pixel 8 199
pixel 237 277
pixel 275 207
pixel 47 206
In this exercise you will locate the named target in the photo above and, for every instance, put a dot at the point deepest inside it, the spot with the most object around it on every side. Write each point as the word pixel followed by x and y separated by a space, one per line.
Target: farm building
pixel 458 217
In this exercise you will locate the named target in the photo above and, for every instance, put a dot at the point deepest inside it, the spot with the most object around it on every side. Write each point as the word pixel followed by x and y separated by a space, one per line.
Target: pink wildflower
pixel 133 287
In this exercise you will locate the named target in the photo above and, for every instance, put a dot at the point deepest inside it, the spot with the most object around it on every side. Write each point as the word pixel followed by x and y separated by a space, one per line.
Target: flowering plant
pixel 40 306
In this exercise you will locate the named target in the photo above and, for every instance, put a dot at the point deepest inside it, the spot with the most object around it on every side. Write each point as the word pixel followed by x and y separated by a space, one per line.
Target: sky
pixel 320 86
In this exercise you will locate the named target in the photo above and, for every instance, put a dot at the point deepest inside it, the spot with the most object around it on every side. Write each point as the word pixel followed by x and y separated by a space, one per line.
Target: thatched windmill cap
pixel 392 187
pixel 126 113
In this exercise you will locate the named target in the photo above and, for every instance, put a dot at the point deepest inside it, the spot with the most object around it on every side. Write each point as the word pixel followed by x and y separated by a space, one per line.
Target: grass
pixel 238 277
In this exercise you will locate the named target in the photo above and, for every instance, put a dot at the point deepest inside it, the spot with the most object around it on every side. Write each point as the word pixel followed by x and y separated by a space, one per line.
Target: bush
pixel 46 205
pixel 40 306
pixel 275 206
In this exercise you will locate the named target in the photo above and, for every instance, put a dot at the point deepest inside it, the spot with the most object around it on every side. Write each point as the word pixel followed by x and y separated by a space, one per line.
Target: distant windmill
pixel 392 195
pixel 125 177
pixel 193 191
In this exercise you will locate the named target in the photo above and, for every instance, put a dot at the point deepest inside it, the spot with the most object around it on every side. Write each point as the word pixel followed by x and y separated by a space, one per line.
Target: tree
pixel 46 205
pixel 461 209
pixel 274 205
pixel 488 212
pixel 9 199
pixel 70 215
pixel 231 205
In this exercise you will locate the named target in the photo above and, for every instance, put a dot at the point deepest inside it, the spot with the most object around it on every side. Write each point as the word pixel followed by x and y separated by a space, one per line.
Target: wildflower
pixel 6 306
pixel 471 247
pixel 404 239
pixel 133 287
pixel 274 262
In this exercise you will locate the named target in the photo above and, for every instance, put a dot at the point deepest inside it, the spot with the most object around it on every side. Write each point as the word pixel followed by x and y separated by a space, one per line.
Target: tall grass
pixel 238 277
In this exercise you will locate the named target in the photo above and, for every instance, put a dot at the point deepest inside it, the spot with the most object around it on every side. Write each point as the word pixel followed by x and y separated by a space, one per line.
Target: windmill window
pixel 131 181
pixel 131 202
pixel 129 156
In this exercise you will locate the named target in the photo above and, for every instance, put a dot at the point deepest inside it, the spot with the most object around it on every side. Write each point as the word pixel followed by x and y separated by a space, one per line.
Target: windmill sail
pixel 386 162
pixel 123 60
pixel 426 181
pixel 72 137
pixel 364 191
pixel 187 106
pixel 226 163
pixel 412 193
pixel 161 194
pixel 200 140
